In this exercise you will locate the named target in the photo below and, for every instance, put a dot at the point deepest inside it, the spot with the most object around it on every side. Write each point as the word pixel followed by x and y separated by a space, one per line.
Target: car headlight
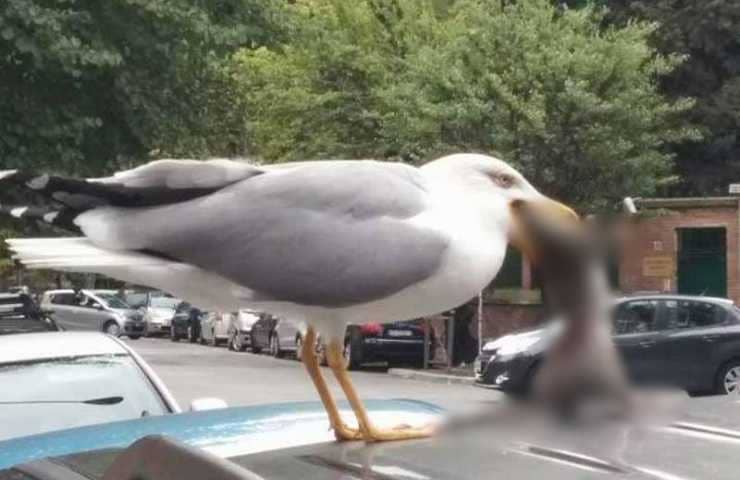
pixel 514 345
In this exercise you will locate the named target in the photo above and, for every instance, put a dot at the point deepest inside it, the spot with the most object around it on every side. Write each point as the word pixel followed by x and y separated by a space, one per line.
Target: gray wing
pixel 331 234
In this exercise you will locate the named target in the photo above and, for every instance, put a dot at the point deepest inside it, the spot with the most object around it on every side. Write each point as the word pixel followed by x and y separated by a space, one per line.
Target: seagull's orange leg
pixel 369 431
pixel 310 360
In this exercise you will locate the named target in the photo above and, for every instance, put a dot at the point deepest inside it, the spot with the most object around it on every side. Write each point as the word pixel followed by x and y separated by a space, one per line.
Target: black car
pixel 684 341
pixel 20 314
pixel 397 342
pixel 186 323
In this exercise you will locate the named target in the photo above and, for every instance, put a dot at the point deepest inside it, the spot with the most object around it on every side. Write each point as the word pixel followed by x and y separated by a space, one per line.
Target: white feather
pixel 78 254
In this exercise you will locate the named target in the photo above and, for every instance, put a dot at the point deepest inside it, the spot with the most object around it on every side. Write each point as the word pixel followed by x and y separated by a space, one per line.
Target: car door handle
pixel 647 343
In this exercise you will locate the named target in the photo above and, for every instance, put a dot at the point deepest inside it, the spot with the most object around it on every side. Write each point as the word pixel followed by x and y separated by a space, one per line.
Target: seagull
pixel 322 243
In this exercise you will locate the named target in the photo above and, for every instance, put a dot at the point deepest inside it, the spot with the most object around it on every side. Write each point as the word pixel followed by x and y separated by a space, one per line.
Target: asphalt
pixel 242 378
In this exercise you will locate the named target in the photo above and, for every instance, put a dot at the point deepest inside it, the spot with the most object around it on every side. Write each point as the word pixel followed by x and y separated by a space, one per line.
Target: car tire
pixel 299 348
pixel 275 350
pixel 256 349
pixel 112 327
pixel 351 362
pixel 134 337
pixel 728 378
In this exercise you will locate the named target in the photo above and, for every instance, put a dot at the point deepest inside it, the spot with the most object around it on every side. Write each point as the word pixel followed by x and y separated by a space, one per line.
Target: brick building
pixel 684 245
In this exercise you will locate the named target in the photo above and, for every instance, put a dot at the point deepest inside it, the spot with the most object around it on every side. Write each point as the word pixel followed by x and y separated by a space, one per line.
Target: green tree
pixel 86 86
pixel 708 33
pixel 571 103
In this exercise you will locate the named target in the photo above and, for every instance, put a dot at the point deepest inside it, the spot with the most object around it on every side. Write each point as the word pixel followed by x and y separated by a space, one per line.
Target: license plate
pixel 399 333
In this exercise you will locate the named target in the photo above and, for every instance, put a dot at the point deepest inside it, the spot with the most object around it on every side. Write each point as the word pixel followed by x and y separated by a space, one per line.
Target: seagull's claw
pixel 399 432
pixel 343 433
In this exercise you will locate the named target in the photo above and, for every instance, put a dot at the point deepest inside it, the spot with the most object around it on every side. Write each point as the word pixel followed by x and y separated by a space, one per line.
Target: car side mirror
pixel 97 306
pixel 207 403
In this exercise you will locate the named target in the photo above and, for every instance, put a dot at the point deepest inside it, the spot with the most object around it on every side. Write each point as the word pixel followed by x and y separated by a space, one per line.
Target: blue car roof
pixel 225 432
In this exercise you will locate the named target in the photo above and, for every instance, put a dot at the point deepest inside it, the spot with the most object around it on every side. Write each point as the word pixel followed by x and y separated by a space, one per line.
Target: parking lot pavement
pixel 191 371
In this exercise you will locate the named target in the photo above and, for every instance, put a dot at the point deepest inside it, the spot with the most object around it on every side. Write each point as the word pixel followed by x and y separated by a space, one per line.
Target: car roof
pixel 225 432
pixel 48 345
pixel 697 440
pixel 672 296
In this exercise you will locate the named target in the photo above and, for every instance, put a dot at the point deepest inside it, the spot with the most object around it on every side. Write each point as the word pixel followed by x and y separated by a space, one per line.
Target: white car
pixel 158 313
pixel 214 329
pixel 58 380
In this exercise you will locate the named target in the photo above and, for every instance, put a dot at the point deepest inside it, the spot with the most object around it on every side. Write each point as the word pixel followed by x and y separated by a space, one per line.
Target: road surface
pixel 243 378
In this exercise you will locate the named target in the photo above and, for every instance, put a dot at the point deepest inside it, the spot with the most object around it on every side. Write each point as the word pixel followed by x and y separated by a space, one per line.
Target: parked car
pixel 58 380
pixel 286 338
pixel 257 442
pixel 99 310
pixel 215 328
pixel 225 432
pixel 393 343
pixel 689 342
pixel 158 313
pixel 240 330
pixel 186 322
pixel 20 314
pixel 262 331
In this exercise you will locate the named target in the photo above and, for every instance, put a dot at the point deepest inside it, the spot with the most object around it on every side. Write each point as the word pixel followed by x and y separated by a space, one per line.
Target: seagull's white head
pixel 500 193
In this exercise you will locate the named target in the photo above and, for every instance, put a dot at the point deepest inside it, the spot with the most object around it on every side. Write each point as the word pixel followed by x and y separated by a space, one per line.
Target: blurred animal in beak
pixel 583 364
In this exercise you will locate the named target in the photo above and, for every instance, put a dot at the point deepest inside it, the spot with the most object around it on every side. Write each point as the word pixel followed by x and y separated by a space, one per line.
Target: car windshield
pixel 49 392
pixel 165 302
pixel 112 300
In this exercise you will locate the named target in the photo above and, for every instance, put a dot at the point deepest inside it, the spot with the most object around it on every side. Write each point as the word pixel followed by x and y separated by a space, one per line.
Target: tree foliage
pixel 570 102
pixel 84 84
pixel 708 33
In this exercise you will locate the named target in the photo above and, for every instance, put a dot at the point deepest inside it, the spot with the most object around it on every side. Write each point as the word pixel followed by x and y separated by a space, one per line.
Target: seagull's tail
pixel 76 254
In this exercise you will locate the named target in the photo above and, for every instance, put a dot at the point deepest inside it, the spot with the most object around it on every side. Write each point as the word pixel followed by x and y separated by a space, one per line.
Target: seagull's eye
pixel 503 180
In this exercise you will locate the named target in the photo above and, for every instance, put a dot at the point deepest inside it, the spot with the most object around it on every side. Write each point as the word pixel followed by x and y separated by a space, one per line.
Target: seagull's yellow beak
pixel 526 240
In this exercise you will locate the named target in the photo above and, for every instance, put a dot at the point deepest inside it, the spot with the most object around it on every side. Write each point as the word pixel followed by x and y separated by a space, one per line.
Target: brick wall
pixel 656 236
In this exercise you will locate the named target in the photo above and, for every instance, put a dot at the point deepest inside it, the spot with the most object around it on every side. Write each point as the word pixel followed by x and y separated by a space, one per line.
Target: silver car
pixel 99 310
pixel 240 330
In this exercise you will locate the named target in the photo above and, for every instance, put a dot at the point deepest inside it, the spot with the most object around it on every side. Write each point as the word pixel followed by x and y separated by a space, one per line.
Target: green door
pixel 702 261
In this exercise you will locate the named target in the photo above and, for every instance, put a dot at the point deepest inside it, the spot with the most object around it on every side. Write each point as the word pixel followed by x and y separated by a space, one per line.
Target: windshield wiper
pixel 92 401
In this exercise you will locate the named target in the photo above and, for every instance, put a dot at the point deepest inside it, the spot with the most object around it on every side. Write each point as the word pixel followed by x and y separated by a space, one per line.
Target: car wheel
pixel 275 347
pixel 728 380
pixel 111 327
pixel 350 359
pixel 134 337
pixel 255 348
pixel 299 348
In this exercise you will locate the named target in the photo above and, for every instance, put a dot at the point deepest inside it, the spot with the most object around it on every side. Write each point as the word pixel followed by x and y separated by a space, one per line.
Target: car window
pixel 37 386
pixel 87 301
pixel 135 300
pixel 165 302
pixel 113 301
pixel 63 298
pixel 693 314
pixel 637 316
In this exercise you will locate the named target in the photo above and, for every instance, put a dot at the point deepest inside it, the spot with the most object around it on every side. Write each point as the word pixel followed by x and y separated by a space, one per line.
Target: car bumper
pixel 386 349
pixel 157 328
pixel 504 373
pixel 134 328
